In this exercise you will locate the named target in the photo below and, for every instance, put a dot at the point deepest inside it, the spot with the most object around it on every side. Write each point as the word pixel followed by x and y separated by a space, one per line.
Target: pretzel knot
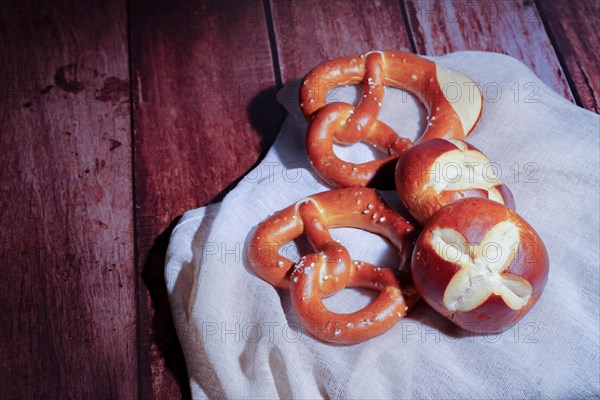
pixel 331 269
pixel 453 102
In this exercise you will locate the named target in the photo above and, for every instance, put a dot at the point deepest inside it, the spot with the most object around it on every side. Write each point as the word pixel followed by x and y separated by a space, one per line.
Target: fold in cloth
pixel 240 335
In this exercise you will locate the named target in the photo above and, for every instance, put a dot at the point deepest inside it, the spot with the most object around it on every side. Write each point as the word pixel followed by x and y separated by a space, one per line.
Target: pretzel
pixel 438 172
pixel 345 124
pixel 330 269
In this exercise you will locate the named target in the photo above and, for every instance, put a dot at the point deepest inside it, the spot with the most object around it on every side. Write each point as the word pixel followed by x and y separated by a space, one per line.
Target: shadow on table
pixel 265 117
pixel 163 333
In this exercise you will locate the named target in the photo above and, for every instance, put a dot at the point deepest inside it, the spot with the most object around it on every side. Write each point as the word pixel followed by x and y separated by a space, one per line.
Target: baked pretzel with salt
pixel 345 124
pixel 330 269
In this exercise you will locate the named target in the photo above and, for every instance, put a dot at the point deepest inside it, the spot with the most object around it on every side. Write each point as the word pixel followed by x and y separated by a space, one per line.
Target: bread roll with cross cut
pixel 479 264
pixel 438 172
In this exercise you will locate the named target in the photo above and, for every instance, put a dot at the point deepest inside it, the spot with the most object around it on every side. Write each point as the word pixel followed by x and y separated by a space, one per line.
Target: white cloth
pixel 241 338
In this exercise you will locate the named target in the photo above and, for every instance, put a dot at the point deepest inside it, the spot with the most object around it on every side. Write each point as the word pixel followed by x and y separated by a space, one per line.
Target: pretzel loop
pixel 344 124
pixel 389 307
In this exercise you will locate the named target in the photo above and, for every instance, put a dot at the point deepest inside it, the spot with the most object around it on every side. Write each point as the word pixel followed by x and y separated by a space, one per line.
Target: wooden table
pixel 118 116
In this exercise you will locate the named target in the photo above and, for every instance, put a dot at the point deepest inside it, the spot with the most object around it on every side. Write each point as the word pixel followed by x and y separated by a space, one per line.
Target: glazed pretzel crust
pixel 330 269
pixel 344 124
pixel 438 172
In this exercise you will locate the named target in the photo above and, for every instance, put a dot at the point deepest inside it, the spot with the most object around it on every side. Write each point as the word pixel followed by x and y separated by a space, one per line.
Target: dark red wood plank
pixel 574 28
pixel 67 279
pixel 204 112
pixel 310 32
pixel 512 27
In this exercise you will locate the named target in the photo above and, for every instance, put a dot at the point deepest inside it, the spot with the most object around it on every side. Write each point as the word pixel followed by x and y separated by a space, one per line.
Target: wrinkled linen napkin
pixel 241 338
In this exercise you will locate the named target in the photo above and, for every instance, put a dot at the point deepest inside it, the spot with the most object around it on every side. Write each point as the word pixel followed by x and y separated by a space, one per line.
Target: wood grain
pixel 512 27
pixel 310 32
pixel 204 112
pixel 67 282
pixel 203 84
pixel 574 28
